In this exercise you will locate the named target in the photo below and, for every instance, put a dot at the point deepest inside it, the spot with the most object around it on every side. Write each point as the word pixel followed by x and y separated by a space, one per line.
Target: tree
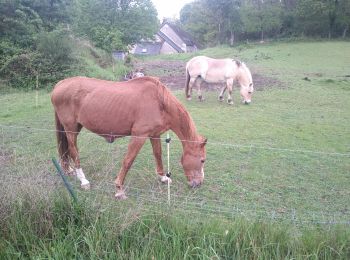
pixel 19 23
pixel 112 24
pixel 261 16
pixel 212 21
pixel 311 17
pixel 193 18
pixel 225 17
pixel 344 17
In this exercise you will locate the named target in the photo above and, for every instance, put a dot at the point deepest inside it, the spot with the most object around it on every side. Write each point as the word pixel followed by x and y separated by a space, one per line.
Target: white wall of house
pixel 167 49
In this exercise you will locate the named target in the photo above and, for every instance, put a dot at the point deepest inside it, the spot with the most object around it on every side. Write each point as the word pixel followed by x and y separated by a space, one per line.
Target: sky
pixel 169 8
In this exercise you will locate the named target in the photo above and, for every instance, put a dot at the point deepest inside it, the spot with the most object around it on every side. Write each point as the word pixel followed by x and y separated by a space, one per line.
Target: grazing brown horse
pixel 202 68
pixel 141 108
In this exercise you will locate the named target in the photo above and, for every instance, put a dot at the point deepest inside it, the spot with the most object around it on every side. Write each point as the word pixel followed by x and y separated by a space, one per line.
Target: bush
pixel 51 60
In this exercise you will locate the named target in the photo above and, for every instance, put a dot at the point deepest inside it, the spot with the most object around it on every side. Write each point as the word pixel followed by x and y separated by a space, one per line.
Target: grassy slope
pixel 258 164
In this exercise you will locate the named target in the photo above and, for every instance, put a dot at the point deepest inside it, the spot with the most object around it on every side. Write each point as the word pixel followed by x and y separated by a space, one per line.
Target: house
pixel 169 39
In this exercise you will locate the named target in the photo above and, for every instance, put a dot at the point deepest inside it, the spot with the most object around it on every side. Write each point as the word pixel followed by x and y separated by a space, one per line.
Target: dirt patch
pixel 172 74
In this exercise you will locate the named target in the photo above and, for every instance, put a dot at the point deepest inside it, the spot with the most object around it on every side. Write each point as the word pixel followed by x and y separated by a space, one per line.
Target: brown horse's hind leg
pixel 134 147
pixel 74 154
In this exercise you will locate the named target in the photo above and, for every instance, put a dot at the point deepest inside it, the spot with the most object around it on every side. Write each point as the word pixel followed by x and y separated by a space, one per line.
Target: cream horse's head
pixel 245 80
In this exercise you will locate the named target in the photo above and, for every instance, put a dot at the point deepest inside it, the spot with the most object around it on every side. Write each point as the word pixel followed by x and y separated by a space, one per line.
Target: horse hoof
pixel 165 179
pixel 85 186
pixel 230 102
pixel 194 184
pixel 189 98
pixel 201 98
pixel 221 99
pixel 120 196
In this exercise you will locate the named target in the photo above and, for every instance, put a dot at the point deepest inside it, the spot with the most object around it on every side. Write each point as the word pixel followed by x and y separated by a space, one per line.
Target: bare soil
pixel 172 74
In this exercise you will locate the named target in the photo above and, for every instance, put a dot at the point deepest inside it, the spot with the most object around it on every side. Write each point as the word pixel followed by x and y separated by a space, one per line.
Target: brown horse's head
pixel 193 160
pixel 246 82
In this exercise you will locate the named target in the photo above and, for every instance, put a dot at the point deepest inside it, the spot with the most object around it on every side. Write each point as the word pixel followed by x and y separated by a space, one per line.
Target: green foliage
pixel 114 25
pixel 55 56
pixel 19 23
pixel 108 39
pixel 262 17
pixel 38 38
pixel 225 21
pixel 50 61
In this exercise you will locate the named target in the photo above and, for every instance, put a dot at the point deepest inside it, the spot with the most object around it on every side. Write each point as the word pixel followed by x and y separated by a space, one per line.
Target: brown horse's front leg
pixel 134 147
pixel 157 152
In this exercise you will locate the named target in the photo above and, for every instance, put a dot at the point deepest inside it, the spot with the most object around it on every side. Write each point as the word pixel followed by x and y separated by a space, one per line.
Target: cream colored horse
pixel 204 69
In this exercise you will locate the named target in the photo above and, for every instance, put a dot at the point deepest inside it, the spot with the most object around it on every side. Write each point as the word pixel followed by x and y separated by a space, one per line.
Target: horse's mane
pixel 173 107
pixel 244 67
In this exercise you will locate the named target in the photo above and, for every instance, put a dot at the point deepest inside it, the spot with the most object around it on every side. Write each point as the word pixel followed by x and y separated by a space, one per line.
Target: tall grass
pixel 64 230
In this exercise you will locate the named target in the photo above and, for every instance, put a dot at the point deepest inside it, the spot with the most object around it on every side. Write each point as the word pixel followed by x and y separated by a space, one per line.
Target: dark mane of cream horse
pixel 141 108
pixel 202 68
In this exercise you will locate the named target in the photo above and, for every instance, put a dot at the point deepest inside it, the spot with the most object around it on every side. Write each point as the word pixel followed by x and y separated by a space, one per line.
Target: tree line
pixel 37 37
pixel 226 21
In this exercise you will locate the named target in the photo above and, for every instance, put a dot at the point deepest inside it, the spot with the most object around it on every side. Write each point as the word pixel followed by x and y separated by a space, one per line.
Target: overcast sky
pixel 169 8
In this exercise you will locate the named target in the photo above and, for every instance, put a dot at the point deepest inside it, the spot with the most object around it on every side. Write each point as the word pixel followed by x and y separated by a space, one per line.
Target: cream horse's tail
pixel 187 82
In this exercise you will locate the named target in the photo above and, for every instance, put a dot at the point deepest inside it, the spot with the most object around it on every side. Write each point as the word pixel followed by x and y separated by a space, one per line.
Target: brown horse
pixel 202 68
pixel 141 108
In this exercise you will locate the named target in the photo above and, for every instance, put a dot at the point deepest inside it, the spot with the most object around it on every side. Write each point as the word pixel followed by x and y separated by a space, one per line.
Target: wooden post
pixel 37 91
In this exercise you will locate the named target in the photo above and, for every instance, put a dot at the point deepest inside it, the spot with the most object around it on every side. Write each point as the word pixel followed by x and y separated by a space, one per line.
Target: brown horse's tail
pixel 62 143
pixel 187 82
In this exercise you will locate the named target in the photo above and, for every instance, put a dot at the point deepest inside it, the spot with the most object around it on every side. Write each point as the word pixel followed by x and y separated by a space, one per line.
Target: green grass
pixel 61 230
pixel 276 177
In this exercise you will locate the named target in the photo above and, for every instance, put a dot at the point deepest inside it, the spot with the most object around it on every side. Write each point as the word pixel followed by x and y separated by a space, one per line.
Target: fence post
pixel 37 91
pixel 168 139
pixel 65 181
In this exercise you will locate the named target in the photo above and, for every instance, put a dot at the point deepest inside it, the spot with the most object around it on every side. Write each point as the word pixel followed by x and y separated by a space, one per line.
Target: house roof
pixel 186 37
pixel 170 42
pixel 154 47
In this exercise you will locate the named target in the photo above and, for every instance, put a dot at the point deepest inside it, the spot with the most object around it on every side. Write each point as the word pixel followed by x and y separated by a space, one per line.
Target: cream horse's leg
pixel 190 86
pixel 229 84
pixel 134 147
pixel 199 83
pixel 221 95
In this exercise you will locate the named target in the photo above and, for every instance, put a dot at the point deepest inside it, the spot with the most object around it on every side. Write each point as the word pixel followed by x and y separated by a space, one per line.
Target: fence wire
pixel 300 186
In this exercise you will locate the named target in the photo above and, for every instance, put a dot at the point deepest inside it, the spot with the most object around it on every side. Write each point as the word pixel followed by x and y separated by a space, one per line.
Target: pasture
pixel 281 163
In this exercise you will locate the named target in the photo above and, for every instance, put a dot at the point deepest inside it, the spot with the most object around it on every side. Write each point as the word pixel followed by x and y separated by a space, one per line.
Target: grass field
pixel 277 176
